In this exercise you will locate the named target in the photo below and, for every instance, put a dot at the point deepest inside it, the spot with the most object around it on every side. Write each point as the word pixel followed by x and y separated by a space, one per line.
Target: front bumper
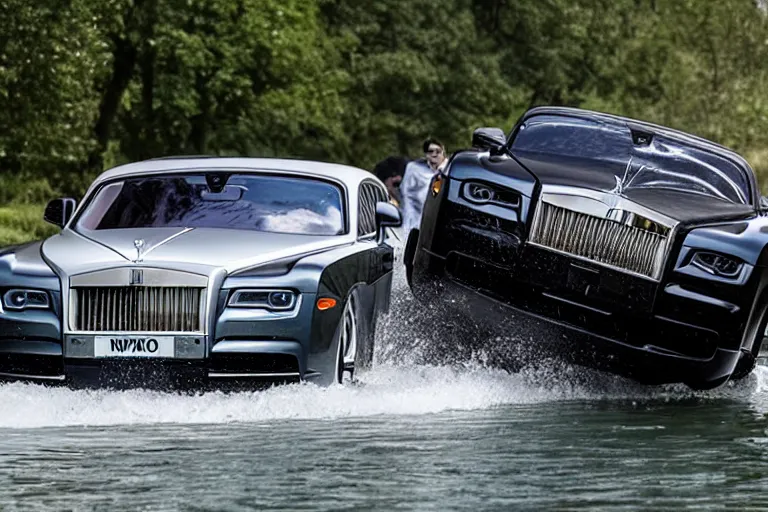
pixel 647 347
pixel 250 347
pixel 241 362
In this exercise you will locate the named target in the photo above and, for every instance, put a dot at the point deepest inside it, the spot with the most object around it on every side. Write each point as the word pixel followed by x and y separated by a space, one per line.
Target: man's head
pixel 434 151
pixel 390 171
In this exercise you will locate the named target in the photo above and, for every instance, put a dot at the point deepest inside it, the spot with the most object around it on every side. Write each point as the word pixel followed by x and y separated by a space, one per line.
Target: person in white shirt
pixel 415 184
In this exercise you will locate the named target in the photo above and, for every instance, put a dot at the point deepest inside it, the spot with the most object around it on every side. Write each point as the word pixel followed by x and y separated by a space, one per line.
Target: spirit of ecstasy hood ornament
pixel 139 245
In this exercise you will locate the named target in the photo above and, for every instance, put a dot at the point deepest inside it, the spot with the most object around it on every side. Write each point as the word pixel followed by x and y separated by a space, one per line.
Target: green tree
pixel 226 77
pixel 417 68
pixel 51 55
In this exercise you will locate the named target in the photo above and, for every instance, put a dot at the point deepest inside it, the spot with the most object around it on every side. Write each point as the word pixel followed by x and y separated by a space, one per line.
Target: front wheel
pixel 349 334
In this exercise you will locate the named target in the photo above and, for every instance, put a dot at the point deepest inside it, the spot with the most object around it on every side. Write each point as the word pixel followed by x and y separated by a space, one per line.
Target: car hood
pixel 682 177
pixel 687 207
pixel 199 250
pixel 526 175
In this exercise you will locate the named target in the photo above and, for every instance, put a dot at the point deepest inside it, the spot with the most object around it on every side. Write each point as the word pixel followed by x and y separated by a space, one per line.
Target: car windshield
pixel 659 162
pixel 252 202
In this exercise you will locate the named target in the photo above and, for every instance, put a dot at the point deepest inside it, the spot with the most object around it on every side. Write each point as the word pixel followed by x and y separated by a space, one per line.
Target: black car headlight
pixel 273 300
pixel 717 264
pixel 479 193
pixel 21 299
pixel 482 193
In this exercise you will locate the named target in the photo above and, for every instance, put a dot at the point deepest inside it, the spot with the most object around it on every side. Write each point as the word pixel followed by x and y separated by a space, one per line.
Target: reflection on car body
pixel 198 270
pixel 645 244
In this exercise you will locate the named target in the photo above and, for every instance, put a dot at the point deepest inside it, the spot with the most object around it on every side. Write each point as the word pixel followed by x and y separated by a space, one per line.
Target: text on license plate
pixel 133 346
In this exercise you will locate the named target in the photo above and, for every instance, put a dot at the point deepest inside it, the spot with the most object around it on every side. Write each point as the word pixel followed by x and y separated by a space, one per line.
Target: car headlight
pixel 481 194
pixel 273 300
pixel 717 264
pixel 20 299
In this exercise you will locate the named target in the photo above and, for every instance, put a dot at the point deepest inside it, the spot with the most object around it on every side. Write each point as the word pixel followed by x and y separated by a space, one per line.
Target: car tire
pixel 365 341
pixel 349 340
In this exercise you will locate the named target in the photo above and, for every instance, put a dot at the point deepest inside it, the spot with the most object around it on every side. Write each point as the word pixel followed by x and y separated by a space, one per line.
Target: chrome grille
pixel 137 309
pixel 601 240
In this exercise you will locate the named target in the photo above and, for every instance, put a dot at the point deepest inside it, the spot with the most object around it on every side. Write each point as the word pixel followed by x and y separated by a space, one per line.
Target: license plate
pixel 133 346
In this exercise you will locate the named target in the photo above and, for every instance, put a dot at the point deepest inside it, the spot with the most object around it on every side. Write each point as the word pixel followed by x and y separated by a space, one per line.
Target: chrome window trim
pixel 366 208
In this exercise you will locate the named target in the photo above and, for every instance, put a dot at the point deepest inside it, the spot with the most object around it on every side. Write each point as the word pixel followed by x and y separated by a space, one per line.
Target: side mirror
pixel 492 139
pixel 387 215
pixel 59 211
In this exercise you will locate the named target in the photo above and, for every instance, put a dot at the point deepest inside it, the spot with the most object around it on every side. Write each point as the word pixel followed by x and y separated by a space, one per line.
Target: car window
pixel 608 147
pixel 369 195
pixel 270 203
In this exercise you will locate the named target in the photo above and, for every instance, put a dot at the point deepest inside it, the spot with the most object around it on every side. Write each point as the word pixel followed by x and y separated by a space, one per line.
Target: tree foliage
pixel 51 57
pixel 85 85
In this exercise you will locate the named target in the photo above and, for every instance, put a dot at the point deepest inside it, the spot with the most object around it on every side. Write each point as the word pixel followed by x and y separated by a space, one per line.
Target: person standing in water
pixel 415 184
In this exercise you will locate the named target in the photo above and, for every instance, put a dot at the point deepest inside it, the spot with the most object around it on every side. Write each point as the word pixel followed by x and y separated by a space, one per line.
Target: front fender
pixel 24 267
pixel 744 239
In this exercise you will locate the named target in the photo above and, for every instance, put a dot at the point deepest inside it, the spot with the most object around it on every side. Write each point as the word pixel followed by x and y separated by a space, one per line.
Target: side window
pixel 370 194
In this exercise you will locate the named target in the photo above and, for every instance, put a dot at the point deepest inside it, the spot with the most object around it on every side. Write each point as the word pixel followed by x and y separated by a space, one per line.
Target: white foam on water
pixel 387 390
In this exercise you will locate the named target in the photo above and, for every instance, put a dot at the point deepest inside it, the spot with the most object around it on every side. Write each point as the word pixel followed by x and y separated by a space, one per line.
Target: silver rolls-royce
pixel 184 271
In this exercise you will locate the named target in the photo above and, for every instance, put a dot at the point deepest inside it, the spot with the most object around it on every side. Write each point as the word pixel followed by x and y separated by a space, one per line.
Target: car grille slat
pixel 137 309
pixel 601 240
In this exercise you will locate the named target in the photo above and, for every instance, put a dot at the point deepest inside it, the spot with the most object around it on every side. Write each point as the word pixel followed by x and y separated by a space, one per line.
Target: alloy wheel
pixel 345 361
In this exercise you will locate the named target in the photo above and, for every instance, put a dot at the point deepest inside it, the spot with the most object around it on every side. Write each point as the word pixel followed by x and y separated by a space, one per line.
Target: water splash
pixel 387 390
pixel 401 383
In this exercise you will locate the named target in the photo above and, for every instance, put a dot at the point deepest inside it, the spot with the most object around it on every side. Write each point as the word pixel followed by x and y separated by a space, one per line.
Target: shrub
pixel 21 223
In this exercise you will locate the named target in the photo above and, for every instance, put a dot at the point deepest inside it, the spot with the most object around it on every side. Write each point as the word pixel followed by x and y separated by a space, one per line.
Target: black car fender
pixel 745 241
pixel 408 254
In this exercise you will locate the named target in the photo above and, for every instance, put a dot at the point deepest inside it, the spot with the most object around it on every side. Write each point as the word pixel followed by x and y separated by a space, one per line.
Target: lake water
pixel 405 436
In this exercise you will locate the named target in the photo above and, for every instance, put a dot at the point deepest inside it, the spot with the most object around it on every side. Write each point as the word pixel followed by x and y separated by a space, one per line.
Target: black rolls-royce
pixel 639 245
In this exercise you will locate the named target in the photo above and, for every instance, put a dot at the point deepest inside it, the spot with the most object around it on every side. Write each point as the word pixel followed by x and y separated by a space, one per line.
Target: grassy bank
pixel 22 202
pixel 22 223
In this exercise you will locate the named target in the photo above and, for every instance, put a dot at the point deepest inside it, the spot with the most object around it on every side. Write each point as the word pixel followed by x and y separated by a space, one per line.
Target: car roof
pixel 349 175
